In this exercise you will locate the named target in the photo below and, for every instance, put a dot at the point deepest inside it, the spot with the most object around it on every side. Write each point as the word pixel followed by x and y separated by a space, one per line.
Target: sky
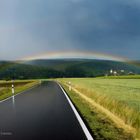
pixel 32 27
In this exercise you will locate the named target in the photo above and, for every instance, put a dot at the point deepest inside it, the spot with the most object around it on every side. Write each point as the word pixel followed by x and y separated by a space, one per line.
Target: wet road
pixel 41 113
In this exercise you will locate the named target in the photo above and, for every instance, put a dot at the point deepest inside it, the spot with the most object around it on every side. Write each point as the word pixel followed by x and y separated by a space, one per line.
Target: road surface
pixel 41 113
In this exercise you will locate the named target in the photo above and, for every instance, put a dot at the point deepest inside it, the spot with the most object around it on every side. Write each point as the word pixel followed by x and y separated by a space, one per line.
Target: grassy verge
pixel 5 87
pixel 117 98
pixel 122 77
pixel 102 128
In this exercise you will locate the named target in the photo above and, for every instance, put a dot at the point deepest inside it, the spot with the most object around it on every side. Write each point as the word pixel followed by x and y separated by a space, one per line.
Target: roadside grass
pixel 5 87
pixel 119 96
pixel 122 77
pixel 101 127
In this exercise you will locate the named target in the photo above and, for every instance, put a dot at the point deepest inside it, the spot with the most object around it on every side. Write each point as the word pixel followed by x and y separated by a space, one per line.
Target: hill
pixel 57 64
pixel 87 66
pixel 12 70
pixel 63 68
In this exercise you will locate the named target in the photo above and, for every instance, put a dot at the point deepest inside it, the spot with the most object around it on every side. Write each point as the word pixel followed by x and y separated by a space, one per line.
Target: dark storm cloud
pixel 36 26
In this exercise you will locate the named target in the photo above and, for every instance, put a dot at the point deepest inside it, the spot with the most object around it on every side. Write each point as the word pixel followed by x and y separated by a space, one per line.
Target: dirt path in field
pixel 119 122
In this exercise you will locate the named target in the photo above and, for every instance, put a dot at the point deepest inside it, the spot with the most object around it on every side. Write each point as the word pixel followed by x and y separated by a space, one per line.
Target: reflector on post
pixel 13 91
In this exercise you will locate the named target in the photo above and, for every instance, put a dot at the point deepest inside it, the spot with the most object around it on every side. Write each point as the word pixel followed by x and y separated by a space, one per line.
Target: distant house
pixel 115 73
pixel 131 73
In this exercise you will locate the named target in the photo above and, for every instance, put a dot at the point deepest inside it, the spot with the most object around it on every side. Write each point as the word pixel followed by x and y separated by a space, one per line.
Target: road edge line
pixel 18 93
pixel 81 122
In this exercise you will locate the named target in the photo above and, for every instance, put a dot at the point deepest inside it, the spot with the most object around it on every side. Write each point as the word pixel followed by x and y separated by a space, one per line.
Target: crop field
pixel 120 96
pixel 122 77
pixel 5 87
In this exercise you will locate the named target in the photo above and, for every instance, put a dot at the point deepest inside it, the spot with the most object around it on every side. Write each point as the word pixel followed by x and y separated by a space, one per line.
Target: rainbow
pixel 74 54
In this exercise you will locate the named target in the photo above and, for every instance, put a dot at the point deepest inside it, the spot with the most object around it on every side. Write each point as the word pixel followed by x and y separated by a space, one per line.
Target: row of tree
pixel 79 69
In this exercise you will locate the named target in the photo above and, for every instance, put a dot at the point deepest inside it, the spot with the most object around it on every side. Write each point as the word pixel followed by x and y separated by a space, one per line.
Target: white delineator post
pixel 13 90
pixel 69 86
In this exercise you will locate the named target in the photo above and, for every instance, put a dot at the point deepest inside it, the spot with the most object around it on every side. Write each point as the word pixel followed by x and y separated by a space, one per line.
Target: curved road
pixel 41 113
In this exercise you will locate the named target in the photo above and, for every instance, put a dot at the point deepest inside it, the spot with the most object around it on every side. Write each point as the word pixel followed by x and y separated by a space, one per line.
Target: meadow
pixel 19 86
pixel 119 96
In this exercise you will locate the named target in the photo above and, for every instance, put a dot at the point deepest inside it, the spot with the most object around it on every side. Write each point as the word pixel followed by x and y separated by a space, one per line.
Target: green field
pixel 20 85
pixel 121 77
pixel 119 96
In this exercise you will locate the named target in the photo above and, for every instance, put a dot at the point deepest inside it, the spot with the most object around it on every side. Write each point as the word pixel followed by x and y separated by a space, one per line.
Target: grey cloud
pixel 48 25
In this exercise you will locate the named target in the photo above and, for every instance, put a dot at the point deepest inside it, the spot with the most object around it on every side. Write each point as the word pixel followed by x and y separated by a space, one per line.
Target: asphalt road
pixel 42 113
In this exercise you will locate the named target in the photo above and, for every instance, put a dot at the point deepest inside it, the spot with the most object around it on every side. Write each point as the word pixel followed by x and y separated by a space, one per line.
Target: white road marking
pixel 86 131
pixel 18 94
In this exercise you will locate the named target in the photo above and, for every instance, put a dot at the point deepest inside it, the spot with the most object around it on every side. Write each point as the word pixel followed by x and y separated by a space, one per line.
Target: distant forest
pixel 64 68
